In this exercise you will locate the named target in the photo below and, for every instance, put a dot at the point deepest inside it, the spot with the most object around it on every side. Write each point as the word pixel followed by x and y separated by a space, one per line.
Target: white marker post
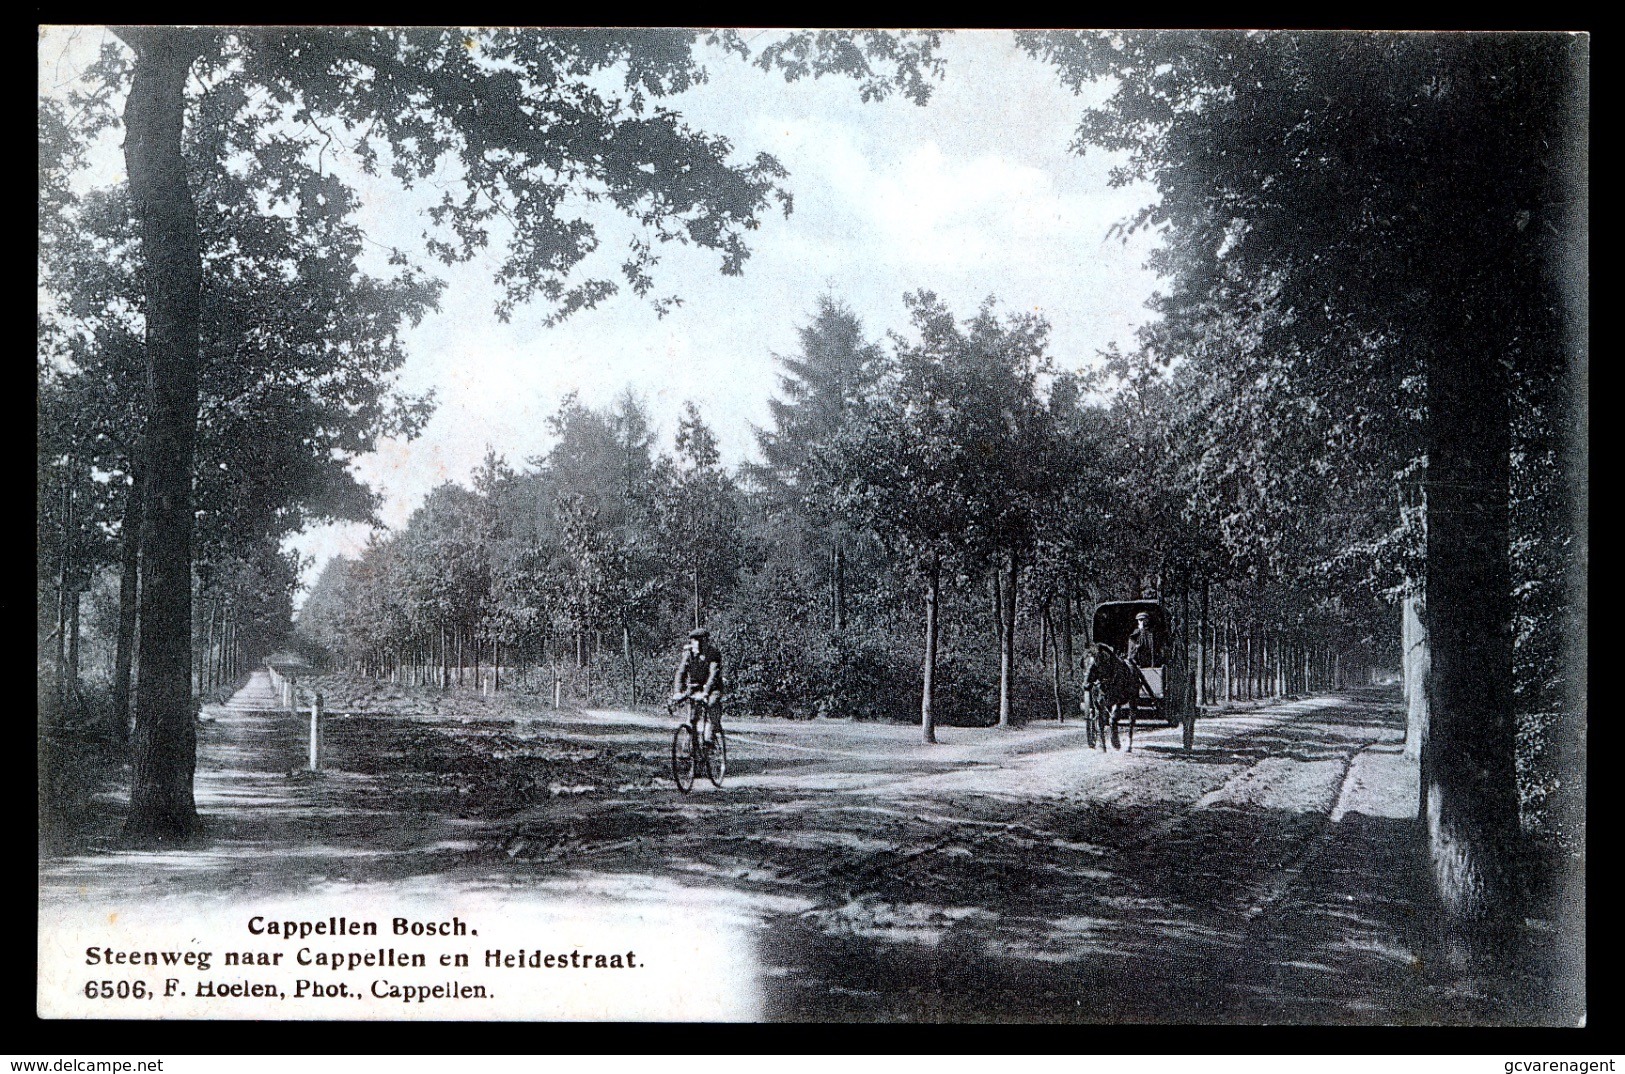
pixel 558 688
pixel 316 734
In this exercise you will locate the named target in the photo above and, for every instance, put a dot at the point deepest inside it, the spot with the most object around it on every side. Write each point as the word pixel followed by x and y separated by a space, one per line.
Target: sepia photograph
pixel 812 525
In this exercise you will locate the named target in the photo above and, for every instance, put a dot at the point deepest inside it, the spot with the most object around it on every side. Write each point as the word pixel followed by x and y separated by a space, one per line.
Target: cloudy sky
pixel 973 195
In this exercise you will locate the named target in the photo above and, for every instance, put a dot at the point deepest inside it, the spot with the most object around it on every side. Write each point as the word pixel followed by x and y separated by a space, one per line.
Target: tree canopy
pixel 531 126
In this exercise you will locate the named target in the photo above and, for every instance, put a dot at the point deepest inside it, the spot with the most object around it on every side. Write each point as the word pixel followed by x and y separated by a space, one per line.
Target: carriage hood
pixel 1114 621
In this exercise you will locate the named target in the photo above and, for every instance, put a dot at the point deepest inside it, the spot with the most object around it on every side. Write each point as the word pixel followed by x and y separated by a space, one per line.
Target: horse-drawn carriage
pixel 1143 685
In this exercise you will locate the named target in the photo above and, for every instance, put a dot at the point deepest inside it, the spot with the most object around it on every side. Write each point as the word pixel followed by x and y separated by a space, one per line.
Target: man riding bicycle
pixel 699 676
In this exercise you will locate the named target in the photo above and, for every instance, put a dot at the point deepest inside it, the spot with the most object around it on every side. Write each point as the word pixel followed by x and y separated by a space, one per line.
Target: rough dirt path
pixel 1264 876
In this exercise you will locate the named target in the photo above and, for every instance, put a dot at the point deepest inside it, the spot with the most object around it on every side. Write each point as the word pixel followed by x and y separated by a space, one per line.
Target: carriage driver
pixel 1142 645
pixel 699 675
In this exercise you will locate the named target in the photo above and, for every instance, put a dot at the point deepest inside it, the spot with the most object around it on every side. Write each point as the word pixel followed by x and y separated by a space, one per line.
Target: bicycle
pixel 690 751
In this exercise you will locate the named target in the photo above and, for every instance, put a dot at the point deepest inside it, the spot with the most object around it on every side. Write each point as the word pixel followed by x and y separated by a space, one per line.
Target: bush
pixel 79 752
pixel 777 666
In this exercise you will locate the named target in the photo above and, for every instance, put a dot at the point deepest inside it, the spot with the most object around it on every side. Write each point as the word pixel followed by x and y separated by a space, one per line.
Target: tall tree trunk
pixel 1066 629
pixel 1007 639
pixel 1186 695
pixel 222 671
pixel 73 642
pixel 68 594
pixel 838 580
pixel 1472 798
pixel 1252 662
pixel 1043 631
pixel 1238 670
pixel 1266 663
pixel 129 566
pixel 64 569
pixel 1266 682
pixel 588 680
pixel 631 665
pixel 1265 686
pixel 164 750
pixel 695 576
pixel 1055 671
pixel 933 593
pixel 1272 654
pixel 1415 663
pixel 1233 660
pixel 196 634
pixel 1203 695
pixel 1247 665
pixel 211 642
pixel 996 594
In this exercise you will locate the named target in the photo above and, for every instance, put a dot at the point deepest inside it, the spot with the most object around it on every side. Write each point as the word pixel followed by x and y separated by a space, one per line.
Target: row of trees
pixel 602 541
pixel 950 480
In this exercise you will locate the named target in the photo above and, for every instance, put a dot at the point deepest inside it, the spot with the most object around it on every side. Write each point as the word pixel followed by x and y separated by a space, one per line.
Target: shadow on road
pixel 1000 876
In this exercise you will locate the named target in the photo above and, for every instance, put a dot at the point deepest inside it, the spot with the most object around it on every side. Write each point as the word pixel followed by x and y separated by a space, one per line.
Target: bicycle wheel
pixel 682 757
pixel 716 758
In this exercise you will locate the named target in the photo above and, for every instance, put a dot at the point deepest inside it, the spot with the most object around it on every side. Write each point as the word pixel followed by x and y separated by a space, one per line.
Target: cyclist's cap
pixel 1143 615
pixel 700 633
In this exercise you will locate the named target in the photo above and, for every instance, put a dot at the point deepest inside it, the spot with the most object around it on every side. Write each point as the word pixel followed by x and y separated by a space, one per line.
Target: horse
pixel 1113 685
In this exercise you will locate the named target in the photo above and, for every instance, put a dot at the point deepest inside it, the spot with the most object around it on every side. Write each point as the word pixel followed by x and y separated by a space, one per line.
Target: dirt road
pixel 1266 875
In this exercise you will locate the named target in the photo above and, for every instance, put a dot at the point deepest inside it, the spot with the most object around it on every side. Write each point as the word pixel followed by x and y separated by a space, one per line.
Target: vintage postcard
pixel 788 525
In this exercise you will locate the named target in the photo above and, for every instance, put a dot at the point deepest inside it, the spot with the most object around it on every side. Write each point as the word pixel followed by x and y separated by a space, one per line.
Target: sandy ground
pixel 1267 875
